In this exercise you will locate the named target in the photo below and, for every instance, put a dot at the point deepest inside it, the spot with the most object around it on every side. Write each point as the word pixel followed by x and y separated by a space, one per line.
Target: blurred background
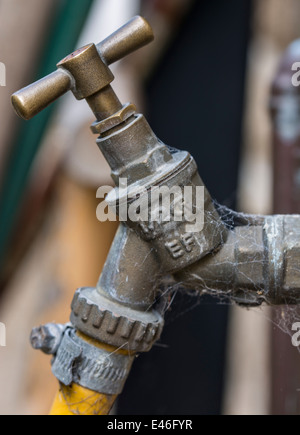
pixel 214 60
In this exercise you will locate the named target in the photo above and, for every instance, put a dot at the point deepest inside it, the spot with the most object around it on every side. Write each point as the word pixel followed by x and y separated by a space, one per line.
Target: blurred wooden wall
pixel 23 25
pixel 252 380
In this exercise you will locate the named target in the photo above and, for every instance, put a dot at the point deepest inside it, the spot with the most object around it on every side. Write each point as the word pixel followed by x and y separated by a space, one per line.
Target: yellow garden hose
pixel 76 400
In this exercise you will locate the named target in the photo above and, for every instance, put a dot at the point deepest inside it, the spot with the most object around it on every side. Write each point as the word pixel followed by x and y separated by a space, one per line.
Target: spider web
pixel 282 316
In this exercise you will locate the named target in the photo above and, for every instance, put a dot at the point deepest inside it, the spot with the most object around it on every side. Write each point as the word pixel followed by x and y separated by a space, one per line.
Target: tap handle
pixel 32 99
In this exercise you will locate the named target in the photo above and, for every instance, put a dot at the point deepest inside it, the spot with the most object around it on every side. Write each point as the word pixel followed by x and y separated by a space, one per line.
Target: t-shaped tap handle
pixel 85 72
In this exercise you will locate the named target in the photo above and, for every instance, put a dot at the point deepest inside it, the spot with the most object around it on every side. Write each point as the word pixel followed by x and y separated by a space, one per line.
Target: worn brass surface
pixel 86 72
pixel 113 121
pixel 104 103
pixel 89 71
pixel 134 35
pixel 31 100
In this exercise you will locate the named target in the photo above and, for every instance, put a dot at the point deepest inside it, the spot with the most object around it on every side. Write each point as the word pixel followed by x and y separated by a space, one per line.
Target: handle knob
pixel 85 71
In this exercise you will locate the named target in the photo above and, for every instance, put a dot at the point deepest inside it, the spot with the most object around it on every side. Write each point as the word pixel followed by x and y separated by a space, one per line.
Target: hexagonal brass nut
pixel 114 120
pixel 249 256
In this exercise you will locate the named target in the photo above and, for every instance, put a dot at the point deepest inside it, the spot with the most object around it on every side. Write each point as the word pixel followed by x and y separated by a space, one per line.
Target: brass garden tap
pixel 251 259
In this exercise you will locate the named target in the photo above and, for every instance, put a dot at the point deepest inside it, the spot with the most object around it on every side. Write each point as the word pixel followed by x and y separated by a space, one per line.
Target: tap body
pixel 207 248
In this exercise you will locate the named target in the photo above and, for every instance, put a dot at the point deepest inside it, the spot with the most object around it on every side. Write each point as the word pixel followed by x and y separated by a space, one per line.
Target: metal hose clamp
pixel 77 361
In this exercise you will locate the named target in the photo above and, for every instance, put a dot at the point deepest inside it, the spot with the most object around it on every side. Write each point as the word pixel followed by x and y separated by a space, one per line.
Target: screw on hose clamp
pixel 47 338
pixel 97 369
pixel 77 361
